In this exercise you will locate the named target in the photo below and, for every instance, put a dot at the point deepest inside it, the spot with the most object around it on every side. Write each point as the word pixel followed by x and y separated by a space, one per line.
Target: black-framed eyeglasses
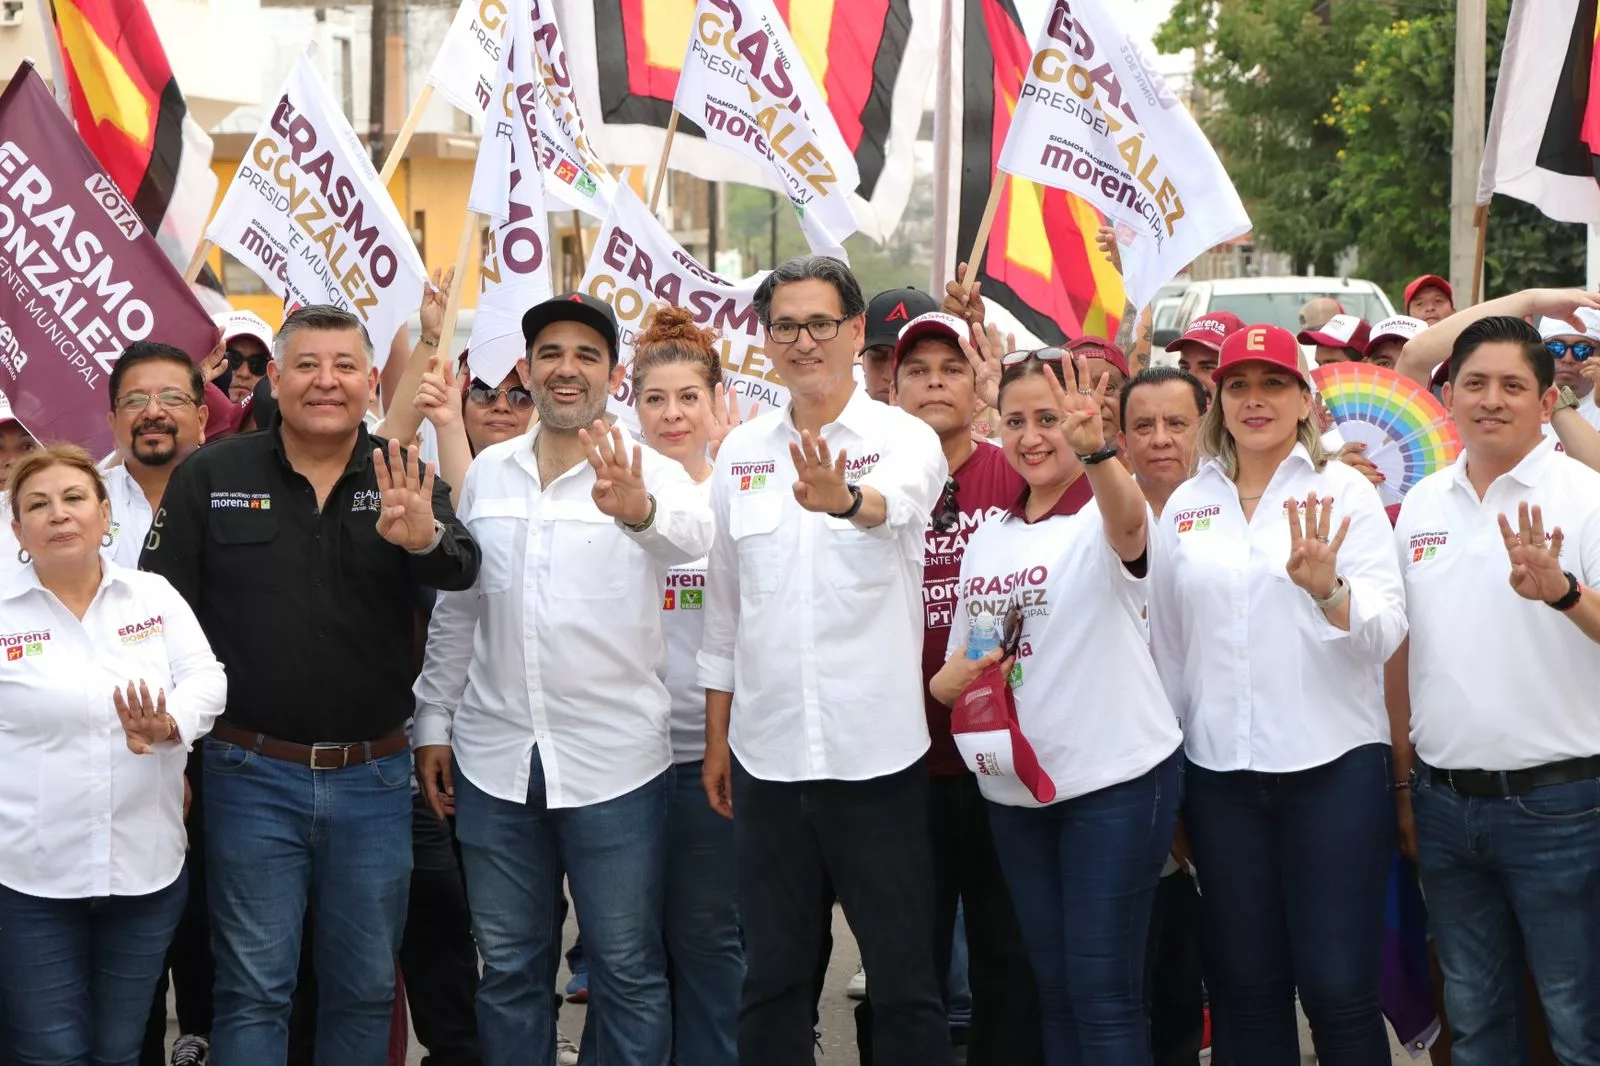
pixel 1048 355
pixel 1580 350
pixel 483 396
pixel 169 399
pixel 254 360
pixel 947 519
pixel 820 329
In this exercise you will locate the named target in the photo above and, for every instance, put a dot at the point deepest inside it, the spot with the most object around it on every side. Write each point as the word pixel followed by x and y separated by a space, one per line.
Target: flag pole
pixel 198 261
pixel 452 304
pixel 661 170
pixel 1482 224
pixel 981 241
pixel 402 140
pixel 579 256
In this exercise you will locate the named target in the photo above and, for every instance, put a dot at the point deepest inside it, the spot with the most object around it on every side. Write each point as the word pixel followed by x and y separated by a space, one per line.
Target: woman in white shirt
pixel 105 682
pixel 677 389
pixel 1277 601
pixel 1082 868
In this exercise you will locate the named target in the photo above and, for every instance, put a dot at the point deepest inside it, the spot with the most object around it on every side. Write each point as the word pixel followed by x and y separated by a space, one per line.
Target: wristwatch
pixel 1565 398
pixel 438 535
pixel 1574 594
pixel 648 518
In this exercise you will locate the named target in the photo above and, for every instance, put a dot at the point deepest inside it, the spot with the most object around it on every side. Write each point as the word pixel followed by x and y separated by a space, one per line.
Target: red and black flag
pixel 1041 263
pixel 130 112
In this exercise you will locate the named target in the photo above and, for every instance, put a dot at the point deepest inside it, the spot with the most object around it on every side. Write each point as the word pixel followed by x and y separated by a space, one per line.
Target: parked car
pixel 1278 300
pixel 1164 312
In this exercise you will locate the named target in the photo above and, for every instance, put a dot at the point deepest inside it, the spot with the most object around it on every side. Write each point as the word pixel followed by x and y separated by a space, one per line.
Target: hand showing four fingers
pixel 1314 558
pixel 1536 572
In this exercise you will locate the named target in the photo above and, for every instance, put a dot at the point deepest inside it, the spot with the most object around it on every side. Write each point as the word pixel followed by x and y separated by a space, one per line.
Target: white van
pixel 1278 300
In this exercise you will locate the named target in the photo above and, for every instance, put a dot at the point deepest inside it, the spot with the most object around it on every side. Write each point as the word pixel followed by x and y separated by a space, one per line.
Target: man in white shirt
pixel 545 681
pixel 1498 682
pixel 815 731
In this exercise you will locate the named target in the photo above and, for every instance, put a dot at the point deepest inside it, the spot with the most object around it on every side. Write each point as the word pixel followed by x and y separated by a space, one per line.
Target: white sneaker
pixel 566 1051
pixel 857 988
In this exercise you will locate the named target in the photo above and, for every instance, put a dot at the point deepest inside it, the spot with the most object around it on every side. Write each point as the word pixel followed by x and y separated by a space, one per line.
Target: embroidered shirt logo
pixel 241 501
pixel 141 631
pixel 23 645
pixel 752 477
pixel 1196 520
pixel 1425 546
pixel 366 500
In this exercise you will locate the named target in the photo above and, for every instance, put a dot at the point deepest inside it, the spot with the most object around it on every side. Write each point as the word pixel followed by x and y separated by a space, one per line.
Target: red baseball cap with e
pixel 1210 330
pixel 1260 344
pixel 1424 282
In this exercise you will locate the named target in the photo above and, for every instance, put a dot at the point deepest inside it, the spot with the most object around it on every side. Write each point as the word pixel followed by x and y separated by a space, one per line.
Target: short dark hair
pixel 1160 375
pixel 1505 329
pixel 812 268
pixel 938 338
pixel 319 316
pixel 156 352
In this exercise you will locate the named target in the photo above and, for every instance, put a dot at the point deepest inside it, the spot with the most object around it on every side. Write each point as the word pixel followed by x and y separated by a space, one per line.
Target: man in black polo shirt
pixel 325 539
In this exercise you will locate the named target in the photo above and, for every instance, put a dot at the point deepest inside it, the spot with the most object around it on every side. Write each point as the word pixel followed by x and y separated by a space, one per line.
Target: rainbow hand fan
pixel 1408 433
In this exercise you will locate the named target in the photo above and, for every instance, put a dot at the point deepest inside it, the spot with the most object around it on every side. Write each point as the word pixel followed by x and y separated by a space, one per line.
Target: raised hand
pixel 1314 559
pixel 1351 456
pixel 985 353
pixel 434 299
pixel 405 517
pixel 216 363
pixel 725 415
pixel 1080 412
pixel 144 720
pixel 1106 238
pixel 1535 561
pixel 1564 304
pixel 961 301
pixel 820 484
pixel 619 489
pixel 439 392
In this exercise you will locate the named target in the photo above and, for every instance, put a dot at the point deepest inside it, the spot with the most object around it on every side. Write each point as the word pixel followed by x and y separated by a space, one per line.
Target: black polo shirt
pixel 311 612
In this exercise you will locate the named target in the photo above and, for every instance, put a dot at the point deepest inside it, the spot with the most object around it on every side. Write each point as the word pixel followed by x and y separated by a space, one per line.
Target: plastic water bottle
pixel 983 637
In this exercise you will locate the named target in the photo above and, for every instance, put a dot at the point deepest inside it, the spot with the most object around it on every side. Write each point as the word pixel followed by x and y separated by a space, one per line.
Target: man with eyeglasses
pixel 935 382
pixel 816 736
pixel 247 341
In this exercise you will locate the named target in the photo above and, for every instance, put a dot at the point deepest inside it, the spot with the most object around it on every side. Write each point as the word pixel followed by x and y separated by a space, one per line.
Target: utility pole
pixel 379 65
pixel 1466 146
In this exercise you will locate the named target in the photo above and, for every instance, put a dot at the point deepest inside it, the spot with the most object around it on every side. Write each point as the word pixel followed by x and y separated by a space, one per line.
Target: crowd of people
pixel 328 711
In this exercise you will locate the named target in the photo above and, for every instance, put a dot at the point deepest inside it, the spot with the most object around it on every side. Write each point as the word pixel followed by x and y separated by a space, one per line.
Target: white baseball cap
pixel 243 324
pixel 1397 327
pixel 1560 327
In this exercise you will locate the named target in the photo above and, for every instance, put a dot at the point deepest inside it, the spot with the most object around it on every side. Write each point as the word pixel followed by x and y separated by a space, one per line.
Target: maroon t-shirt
pixel 986 486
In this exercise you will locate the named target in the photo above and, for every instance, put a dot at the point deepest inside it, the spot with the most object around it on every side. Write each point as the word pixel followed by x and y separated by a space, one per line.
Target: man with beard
pixel 541 714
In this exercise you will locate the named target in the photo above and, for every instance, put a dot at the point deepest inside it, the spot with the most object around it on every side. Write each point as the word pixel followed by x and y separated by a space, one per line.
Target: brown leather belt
pixel 316 756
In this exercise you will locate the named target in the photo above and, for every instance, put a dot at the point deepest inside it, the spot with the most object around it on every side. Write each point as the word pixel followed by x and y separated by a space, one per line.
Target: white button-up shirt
pixel 1258 675
pixel 130 524
pixel 560 644
pixel 1498 682
pixel 813 624
pixel 683 614
pixel 80 814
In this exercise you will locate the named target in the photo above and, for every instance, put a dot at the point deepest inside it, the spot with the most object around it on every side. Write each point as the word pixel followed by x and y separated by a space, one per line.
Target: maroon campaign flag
pixel 81 277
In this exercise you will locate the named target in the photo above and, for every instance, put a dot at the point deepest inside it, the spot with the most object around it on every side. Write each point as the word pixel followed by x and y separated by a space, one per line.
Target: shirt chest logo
pixel 857 468
pixel 140 632
pixel 1196 520
pixel 24 645
pixel 366 500
pixel 1425 546
pixel 752 477
pixel 684 592
pixel 241 501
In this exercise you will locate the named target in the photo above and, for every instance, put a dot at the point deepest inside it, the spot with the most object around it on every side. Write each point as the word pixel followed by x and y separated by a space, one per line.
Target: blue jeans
pixel 1294 874
pixel 76 975
pixel 614 856
pixel 1083 875
pixel 281 837
pixel 1504 877
pixel 702 926
pixel 958 989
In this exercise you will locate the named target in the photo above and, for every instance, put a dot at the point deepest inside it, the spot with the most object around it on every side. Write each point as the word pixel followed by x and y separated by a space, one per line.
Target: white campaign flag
pixel 507 187
pixel 463 71
pixel 1096 119
pixel 305 211
pixel 636 266
pixel 745 84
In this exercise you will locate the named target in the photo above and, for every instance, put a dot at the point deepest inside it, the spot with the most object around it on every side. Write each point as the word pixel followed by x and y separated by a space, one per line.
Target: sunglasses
pixel 256 362
pixel 1011 631
pixel 948 518
pixel 517 396
pixel 1047 355
pixel 1580 350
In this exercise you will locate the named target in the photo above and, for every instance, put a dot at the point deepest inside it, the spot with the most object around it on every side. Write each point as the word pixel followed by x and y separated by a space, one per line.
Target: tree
pixel 1393 187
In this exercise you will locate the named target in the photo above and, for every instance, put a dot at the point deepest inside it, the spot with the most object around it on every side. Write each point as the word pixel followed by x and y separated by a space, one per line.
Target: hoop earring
pixel 23 557
pixel 107 540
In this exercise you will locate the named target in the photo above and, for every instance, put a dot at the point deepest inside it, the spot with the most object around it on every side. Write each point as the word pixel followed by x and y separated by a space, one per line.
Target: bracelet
pixel 1096 458
pixel 424 340
pixel 1340 593
pixel 648 518
pixel 1574 594
pixel 855 505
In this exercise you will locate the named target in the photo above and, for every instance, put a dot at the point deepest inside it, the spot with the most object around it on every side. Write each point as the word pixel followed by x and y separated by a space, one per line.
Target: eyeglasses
pixel 821 329
pixel 1580 350
pixel 517 396
pixel 255 361
pixel 1048 355
pixel 948 517
pixel 169 399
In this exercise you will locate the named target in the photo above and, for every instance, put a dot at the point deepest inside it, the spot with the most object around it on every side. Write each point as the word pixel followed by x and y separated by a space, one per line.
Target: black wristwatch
pixel 1574 594
pixel 1108 452
pixel 855 505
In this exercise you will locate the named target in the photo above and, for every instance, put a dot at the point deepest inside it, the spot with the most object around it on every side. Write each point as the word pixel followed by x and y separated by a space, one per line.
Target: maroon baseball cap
pixel 932 324
pixel 1424 282
pixel 1260 344
pixel 1210 330
pixel 1340 331
pixel 1099 347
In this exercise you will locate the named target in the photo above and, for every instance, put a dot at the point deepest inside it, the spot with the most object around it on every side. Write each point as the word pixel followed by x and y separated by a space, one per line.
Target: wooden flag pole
pixel 661 169
pixel 981 241
pixel 1482 224
pixel 198 262
pixel 579 256
pixel 452 304
pixel 402 140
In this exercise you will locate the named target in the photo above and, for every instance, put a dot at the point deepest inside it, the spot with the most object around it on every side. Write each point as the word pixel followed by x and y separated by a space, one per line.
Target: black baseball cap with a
pixel 577 307
pixel 890 312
